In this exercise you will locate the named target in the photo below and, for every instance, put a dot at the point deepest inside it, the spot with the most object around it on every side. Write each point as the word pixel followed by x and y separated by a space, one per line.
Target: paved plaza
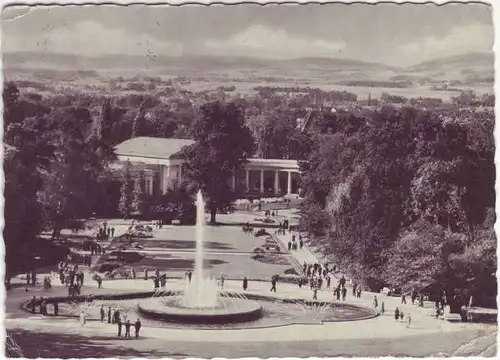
pixel 381 335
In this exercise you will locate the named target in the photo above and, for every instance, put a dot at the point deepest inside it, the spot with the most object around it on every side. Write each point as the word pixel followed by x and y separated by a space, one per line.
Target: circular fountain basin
pixel 231 311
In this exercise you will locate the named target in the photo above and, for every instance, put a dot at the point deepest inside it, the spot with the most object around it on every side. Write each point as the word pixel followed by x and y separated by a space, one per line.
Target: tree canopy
pixel 223 143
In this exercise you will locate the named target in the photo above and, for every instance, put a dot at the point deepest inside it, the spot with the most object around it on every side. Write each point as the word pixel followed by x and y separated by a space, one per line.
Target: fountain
pixel 201 302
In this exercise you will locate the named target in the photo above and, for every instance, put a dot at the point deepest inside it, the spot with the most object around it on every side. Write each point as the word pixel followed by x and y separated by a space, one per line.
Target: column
pixel 180 173
pixel 289 184
pixel 276 181
pixel 262 181
pixel 166 178
pixel 233 181
pixel 247 179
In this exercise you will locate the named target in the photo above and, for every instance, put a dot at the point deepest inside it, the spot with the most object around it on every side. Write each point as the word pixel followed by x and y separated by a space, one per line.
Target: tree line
pixel 405 198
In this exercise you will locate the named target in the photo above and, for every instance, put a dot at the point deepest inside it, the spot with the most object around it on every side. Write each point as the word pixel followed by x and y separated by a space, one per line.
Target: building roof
pixel 158 148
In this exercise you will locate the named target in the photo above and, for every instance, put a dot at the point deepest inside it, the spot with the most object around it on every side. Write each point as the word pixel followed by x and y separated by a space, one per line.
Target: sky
pixel 393 34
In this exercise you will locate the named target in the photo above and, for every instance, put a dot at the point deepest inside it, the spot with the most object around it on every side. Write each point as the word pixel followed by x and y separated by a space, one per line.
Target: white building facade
pixel 259 177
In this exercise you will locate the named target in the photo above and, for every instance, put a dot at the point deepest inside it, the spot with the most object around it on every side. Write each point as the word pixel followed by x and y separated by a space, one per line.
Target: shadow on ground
pixel 185 244
pixel 50 345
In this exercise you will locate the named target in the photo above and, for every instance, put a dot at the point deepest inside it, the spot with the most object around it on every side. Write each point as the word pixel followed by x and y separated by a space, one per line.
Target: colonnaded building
pixel 163 170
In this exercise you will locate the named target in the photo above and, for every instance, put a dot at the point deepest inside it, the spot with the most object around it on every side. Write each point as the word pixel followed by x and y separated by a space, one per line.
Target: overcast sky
pixel 388 33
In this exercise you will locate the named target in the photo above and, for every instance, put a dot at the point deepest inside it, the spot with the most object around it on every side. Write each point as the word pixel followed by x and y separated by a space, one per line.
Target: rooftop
pixel 158 148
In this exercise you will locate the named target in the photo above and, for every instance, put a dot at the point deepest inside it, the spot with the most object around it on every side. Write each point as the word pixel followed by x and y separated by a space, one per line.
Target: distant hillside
pixel 464 61
pixel 70 61
pixel 341 64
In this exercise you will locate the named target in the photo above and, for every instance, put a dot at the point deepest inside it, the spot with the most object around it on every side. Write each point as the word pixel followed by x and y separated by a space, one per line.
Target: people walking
pixel 137 327
pixel 403 299
pixel 119 324
pixel 273 284
pixel 82 318
pixel 127 329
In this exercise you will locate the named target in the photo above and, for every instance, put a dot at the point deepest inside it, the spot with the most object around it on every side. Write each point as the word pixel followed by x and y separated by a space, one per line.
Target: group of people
pixel 283 227
pixel 43 306
pixel 159 280
pixel 115 317
pixel 71 277
pixel 105 232
pixel 294 245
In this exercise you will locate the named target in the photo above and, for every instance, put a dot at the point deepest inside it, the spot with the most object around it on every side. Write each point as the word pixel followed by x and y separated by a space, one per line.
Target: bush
pixel 109 266
pixel 258 256
pixel 127 256
pixel 258 250
pixel 291 271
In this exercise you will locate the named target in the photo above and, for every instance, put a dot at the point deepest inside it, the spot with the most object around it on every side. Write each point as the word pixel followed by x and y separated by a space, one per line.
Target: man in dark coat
pixel 137 326
pixel 245 283
pixel 119 323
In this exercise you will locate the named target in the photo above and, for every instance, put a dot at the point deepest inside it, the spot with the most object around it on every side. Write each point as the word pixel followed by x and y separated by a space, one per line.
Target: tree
pixel 138 126
pixel 223 143
pixel 124 204
pixel 139 202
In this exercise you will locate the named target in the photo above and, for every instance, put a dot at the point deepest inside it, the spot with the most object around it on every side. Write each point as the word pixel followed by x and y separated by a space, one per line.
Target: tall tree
pixel 139 124
pixel 223 143
pixel 124 204
pixel 139 204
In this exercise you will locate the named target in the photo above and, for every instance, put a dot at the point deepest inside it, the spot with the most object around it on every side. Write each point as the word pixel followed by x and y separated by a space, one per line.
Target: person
pixel 56 308
pixel 127 329
pixel 401 315
pixel 289 245
pixel 359 292
pixel 354 289
pixel 82 318
pixel 396 314
pixel 137 327
pixel 403 299
pixel 382 307
pixel 273 284
pixel 163 280
pixel 109 315
pixel 222 281
pixel 156 282
pixel 375 301
pixel 301 243
pixel 112 232
pixel 408 321
pixel 190 275
pixel 119 324
pixel 245 283
pixel 344 293
pixel 337 292
pixel 315 293
pixel 103 313
pixel 145 273
pixel 32 305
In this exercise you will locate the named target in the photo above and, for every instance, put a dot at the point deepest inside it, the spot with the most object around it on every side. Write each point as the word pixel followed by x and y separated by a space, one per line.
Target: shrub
pixel 109 266
pixel 258 250
pixel 291 271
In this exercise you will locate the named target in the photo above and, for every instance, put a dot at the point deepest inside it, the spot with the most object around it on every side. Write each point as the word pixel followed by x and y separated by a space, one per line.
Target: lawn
pixel 228 251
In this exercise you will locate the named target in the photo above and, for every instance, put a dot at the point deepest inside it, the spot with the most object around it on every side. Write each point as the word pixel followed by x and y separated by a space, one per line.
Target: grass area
pixel 228 251
pixel 74 346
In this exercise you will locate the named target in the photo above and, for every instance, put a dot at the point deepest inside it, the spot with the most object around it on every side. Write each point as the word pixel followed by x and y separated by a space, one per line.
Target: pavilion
pixel 163 170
